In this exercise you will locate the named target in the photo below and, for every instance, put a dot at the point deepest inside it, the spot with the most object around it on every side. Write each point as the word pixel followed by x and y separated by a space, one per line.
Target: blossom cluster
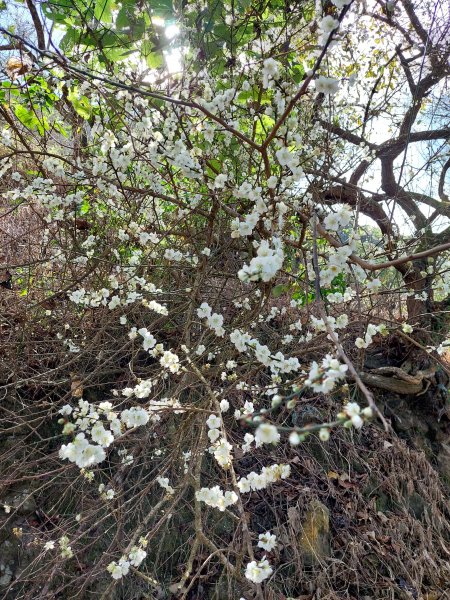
pixel 259 481
pixel 216 498
pixel 133 558
pixel 213 320
pixel 323 377
pixel 258 571
pixel 168 359
pixel 337 263
pixel 354 415
pixel 102 424
pixel 165 484
pixel 66 550
pixel 371 331
pixel 278 363
pixel 117 294
pixel 265 265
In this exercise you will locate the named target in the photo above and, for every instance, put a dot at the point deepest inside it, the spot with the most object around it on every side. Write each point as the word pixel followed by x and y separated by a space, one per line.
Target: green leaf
pixel 60 129
pixel 280 289
pixel 154 60
pixel 298 73
pixel 69 39
pixel 125 15
pixel 26 117
pixel 81 105
pixel 102 10
pixel 153 56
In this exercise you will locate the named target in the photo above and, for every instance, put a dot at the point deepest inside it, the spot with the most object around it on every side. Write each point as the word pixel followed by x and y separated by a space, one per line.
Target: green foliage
pixel 80 104
pixel 33 103
pixel 117 28
pixel 279 290
pixel 114 29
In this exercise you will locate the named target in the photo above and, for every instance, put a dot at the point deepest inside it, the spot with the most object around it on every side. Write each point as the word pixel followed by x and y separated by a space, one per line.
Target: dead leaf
pixel 76 386
pixel 343 479
pixel 17 65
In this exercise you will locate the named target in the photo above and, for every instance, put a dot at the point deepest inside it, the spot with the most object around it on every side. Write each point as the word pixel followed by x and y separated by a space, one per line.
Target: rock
pixel 223 525
pixel 5 574
pixel 8 557
pixel 315 538
pixel 405 420
pixel 21 500
pixel 18 548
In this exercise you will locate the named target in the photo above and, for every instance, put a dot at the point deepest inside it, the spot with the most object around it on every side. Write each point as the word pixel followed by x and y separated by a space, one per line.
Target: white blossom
pixel 257 572
pixel 267 541
pixel 326 85
pixel 266 433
